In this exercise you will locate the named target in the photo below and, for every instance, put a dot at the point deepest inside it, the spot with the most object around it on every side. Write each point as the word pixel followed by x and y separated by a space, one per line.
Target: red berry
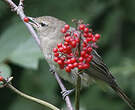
pixel 80 66
pixel 89 34
pixel 69 61
pixel 1 78
pixel 82 26
pixel 89 49
pixel 73 60
pixel 77 40
pixel 85 35
pixel 75 64
pixel 68 69
pixel 61 49
pixel 59 45
pixel 64 47
pixel 71 66
pixel 63 30
pixel 83 53
pixel 92 36
pixel 97 36
pixel 67 26
pixel 88 60
pixel 89 39
pixel 66 43
pixel 86 30
pixel 75 34
pixel 81 59
pixel 56 59
pixel 67 34
pixel 90 56
pixel 86 55
pixel 85 41
pixel 65 62
pixel 56 54
pixel 25 19
pixel 94 39
pixel 59 62
pixel 86 66
pixel 62 58
pixel 71 54
pixel 68 48
pixel 68 39
pixel 55 50
pixel 73 44
pixel 84 44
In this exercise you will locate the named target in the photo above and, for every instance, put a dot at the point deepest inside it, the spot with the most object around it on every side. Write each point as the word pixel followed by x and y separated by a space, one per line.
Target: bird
pixel 48 29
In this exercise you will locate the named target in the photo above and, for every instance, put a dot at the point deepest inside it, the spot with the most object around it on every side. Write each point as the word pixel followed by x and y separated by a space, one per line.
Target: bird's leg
pixel 66 93
pixel 52 70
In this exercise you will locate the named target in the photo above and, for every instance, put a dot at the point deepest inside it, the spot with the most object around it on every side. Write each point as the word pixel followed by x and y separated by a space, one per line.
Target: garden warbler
pixel 48 28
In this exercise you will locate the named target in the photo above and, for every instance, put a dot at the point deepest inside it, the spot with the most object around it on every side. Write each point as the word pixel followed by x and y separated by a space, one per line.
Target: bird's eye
pixel 43 24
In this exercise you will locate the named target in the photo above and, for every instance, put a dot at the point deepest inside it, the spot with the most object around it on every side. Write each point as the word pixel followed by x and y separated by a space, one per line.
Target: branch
pixel 19 10
pixel 68 102
pixel 7 83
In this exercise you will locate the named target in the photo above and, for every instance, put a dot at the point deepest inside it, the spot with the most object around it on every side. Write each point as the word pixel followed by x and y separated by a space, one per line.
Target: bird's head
pixel 46 24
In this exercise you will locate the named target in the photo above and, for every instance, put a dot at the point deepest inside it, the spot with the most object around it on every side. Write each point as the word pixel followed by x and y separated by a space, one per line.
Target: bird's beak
pixel 33 22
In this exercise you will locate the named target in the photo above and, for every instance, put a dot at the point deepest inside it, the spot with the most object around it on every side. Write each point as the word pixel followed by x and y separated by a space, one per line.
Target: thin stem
pixel 78 82
pixel 67 99
pixel 19 11
pixel 77 92
pixel 41 102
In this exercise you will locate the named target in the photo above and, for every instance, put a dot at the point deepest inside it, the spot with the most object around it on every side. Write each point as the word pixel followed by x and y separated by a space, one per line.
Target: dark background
pixel 19 54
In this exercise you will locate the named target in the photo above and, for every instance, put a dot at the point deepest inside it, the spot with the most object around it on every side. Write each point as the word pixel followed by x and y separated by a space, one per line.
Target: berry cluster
pixel 75 51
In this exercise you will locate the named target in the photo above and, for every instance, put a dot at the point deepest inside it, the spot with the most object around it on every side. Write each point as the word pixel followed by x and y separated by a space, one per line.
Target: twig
pixel 41 102
pixel 69 105
pixel 7 83
pixel 20 12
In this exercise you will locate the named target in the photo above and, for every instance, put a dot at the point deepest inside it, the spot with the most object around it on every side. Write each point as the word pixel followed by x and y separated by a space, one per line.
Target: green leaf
pixel 2 8
pixel 27 54
pixel 11 38
pixel 18 46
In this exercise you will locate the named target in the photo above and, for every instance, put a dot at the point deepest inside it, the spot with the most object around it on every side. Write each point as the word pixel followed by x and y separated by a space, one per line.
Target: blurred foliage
pixel 19 54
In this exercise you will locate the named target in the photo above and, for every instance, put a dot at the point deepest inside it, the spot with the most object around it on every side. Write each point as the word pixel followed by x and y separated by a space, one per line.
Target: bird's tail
pixel 118 90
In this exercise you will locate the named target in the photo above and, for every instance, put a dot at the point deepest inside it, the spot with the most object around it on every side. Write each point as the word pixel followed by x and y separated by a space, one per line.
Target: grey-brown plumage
pixel 48 29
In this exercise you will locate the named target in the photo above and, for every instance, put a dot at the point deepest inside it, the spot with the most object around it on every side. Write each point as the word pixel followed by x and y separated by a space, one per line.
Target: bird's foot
pixel 52 70
pixel 66 93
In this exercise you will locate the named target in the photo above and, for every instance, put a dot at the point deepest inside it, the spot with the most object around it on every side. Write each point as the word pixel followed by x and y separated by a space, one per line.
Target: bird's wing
pixel 99 70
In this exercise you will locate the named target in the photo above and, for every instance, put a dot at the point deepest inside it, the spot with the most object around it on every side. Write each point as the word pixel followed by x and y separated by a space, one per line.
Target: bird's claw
pixel 52 70
pixel 66 93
